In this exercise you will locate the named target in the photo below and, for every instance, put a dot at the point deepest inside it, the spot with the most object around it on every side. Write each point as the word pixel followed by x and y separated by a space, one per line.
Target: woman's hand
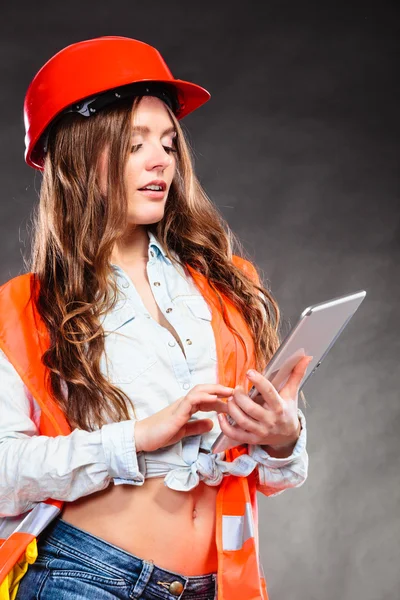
pixel 171 424
pixel 270 419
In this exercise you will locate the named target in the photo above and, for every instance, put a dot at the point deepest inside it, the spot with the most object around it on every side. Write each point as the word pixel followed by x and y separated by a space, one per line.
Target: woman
pixel 152 324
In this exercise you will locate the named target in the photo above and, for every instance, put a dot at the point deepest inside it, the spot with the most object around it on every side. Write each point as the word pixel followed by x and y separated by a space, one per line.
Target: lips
pixel 156 182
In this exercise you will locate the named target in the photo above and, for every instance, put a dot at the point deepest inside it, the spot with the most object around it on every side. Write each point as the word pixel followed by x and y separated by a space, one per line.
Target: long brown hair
pixel 75 229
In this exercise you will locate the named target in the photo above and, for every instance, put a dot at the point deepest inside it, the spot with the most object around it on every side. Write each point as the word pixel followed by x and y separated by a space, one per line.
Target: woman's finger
pixel 265 389
pixel 197 427
pixel 210 405
pixel 242 419
pixel 186 407
pixel 250 407
pixel 235 433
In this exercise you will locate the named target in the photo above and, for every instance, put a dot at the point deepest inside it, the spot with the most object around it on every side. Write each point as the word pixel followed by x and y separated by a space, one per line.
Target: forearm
pixel 33 469
pixel 63 468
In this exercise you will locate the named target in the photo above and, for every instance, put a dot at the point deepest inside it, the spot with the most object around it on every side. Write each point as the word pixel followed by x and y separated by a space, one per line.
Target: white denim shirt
pixel 145 361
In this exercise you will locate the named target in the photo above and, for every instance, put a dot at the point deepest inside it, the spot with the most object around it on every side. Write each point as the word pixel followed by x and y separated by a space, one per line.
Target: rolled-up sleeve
pixel 34 467
pixel 124 464
pixel 275 475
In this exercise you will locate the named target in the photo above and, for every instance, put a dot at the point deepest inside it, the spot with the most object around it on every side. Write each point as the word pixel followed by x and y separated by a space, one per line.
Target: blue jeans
pixel 75 565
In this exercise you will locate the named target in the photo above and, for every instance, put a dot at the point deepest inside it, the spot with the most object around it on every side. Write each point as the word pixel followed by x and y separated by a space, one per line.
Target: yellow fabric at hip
pixel 9 587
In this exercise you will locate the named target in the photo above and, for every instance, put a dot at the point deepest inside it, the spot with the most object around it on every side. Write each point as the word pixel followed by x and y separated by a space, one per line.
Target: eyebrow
pixel 145 129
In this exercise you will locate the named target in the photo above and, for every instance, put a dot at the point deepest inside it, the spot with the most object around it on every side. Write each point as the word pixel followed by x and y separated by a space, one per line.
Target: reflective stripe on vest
pixel 236 530
pixel 23 338
pixel 32 522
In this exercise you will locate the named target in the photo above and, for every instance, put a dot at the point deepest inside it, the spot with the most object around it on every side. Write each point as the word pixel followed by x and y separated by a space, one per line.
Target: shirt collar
pixel 155 244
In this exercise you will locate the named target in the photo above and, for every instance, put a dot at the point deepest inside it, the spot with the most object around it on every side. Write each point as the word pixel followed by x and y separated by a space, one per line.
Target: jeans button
pixel 176 588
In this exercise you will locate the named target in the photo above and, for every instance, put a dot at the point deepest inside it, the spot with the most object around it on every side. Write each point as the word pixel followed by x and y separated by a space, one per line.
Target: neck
pixel 132 248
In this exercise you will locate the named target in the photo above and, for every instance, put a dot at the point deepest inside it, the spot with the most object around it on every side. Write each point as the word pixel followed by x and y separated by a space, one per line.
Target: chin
pixel 145 213
pixel 145 219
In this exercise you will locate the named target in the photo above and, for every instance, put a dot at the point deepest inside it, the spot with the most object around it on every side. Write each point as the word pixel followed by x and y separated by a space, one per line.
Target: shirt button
pixel 125 284
pixel 186 386
pixel 156 283
pixel 168 310
pixel 171 344
pixel 176 588
pixel 189 342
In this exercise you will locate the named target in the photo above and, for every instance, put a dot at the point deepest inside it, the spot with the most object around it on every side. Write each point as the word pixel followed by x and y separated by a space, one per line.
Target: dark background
pixel 299 148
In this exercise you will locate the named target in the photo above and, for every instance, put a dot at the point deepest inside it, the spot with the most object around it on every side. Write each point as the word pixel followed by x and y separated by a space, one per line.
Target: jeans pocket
pixel 71 577
pixel 67 586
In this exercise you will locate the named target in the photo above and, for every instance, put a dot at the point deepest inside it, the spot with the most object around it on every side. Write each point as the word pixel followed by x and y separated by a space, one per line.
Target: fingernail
pixel 250 373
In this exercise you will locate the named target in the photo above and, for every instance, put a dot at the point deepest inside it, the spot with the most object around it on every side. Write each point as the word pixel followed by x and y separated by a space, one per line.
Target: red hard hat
pixel 90 68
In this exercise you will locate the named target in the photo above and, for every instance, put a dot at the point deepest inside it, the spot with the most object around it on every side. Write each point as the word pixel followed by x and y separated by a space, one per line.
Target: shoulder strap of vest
pixel 247 267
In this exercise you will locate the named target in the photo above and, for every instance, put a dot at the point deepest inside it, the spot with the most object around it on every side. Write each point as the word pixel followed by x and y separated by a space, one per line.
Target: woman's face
pixel 151 162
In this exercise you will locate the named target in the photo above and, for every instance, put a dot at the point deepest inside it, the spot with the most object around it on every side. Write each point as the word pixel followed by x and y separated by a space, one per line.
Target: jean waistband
pixel 83 546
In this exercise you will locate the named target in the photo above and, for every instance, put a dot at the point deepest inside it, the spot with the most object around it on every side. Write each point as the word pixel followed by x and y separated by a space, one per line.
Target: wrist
pixel 136 435
pixel 284 450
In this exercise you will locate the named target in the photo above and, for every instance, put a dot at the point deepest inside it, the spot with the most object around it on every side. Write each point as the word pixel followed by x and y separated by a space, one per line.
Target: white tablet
pixel 314 334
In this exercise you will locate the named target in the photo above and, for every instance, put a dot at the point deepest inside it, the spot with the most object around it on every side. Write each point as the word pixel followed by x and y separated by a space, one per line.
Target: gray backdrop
pixel 299 148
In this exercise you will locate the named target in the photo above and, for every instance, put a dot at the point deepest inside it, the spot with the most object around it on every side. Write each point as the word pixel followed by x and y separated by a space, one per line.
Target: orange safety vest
pixel 24 338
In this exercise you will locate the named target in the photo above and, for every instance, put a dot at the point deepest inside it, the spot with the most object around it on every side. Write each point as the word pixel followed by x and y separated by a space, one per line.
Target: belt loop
pixel 143 579
pixel 215 580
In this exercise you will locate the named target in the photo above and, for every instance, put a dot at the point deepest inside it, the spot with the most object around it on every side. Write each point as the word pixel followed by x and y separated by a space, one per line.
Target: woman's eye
pixel 169 149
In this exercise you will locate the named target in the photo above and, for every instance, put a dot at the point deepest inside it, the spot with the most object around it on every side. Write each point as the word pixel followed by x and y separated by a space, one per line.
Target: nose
pixel 158 159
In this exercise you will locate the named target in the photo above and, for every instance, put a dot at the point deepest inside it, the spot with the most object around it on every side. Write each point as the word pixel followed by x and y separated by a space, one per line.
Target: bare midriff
pixel 175 530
